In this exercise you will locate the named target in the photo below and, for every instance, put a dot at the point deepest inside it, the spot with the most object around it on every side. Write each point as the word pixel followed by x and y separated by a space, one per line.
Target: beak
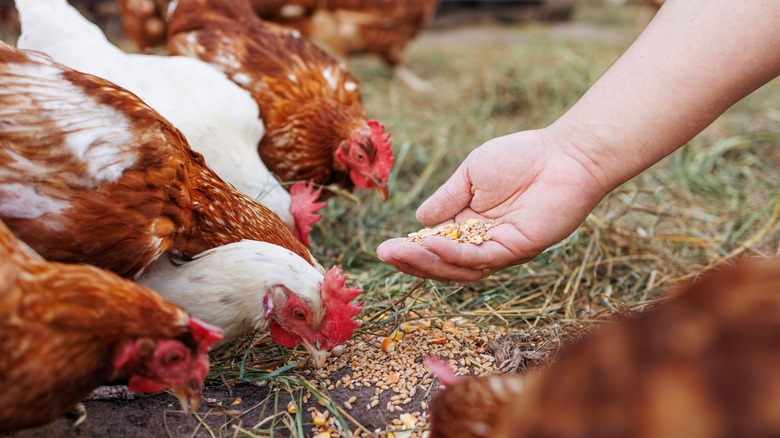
pixel 189 396
pixel 382 189
pixel 318 356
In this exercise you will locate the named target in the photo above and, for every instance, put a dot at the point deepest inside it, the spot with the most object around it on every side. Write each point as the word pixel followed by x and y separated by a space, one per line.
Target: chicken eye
pixel 174 357
pixel 360 156
pixel 298 313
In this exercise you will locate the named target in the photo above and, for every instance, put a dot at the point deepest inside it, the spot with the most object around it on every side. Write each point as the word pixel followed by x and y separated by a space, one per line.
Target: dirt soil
pixel 159 415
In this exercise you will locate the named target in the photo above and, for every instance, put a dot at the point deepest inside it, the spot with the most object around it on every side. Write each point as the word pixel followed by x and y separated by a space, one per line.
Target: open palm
pixel 538 192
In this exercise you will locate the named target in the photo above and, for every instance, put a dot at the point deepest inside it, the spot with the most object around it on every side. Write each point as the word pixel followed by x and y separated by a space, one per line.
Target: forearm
pixel 692 62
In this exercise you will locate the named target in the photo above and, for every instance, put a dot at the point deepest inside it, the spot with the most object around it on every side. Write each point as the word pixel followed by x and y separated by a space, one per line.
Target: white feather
pixel 225 286
pixel 219 119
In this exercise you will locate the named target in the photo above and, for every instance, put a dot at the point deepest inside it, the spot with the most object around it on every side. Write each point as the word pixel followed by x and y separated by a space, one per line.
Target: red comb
pixel 338 324
pixel 384 151
pixel 204 334
pixel 303 208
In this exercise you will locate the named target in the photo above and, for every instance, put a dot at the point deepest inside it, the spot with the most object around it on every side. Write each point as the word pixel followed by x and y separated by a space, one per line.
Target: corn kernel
pixel 408 420
pixel 292 407
pixel 319 418
pixel 388 345
pixel 408 328
pixel 472 221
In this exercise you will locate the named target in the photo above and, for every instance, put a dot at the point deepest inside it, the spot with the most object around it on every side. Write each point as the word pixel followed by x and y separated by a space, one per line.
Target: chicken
pixel 218 118
pixel 89 173
pixel 249 287
pixel 316 128
pixel 143 22
pixel 703 363
pixel 344 27
pixel 65 329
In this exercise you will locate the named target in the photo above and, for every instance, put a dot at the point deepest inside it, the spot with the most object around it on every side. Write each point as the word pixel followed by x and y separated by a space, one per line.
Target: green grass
pixel 713 200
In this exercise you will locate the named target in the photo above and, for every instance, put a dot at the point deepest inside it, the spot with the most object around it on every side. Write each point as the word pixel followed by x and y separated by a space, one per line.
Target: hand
pixel 528 182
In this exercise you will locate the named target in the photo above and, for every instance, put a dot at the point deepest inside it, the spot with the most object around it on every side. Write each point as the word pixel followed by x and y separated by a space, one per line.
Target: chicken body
pixel 89 173
pixel 344 27
pixel 250 288
pixel 316 128
pixel 218 118
pixel 66 329
pixel 702 364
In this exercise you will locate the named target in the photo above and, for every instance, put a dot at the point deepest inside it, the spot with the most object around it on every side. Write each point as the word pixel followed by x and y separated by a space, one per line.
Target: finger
pixel 414 259
pixel 452 197
pixel 491 254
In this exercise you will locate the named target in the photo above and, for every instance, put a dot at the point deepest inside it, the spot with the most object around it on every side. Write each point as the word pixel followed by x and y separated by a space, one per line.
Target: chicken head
pixel 155 365
pixel 318 329
pixel 368 157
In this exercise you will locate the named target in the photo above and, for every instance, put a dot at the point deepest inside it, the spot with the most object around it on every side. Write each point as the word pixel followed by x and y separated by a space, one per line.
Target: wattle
pixel 282 336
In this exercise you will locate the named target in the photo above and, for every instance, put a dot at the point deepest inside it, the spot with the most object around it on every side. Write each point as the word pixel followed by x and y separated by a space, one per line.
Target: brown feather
pixel 309 101
pixel 62 325
pixel 703 363
pixel 162 198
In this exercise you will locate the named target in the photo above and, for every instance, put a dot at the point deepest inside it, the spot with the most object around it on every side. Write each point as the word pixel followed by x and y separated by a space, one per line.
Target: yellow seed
pixel 397 336
pixel 319 418
pixel 325 434
pixel 408 420
pixel 472 221
pixel 388 345
pixel 425 323
pixel 236 402
pixel 408 327
pixel 292 407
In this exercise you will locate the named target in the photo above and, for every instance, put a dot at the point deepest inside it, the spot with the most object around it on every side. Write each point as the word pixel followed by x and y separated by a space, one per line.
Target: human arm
pixel 692 62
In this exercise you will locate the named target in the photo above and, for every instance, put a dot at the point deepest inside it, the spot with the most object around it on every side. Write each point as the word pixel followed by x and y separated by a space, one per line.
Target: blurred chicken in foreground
pixel 704 363
pixel 66 329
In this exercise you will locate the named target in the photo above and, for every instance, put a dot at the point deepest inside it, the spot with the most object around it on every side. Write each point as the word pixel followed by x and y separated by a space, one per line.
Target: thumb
pixel 451 198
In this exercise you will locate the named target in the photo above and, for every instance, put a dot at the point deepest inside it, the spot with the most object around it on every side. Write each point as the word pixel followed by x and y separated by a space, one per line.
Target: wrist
pixel 605 165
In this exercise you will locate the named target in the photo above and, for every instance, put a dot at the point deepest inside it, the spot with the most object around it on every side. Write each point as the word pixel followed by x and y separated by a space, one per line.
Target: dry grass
pixel 714 200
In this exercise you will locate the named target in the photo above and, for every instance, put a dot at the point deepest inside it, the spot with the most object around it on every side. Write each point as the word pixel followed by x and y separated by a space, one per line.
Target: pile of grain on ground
pixel 385 371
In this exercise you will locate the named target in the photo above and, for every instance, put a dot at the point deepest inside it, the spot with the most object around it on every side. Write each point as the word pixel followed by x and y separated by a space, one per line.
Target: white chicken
pixel 218 118
pixel 257 296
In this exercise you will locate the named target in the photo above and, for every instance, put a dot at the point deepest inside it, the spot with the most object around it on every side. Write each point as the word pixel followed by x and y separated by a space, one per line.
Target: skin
pixel 692 62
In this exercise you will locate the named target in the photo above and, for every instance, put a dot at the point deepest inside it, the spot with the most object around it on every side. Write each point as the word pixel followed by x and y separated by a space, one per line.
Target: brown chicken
pixel 316 128
pixel 91 174
pixel 344 27
pixel 143 22
pixel 705 363
pixel 66 329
